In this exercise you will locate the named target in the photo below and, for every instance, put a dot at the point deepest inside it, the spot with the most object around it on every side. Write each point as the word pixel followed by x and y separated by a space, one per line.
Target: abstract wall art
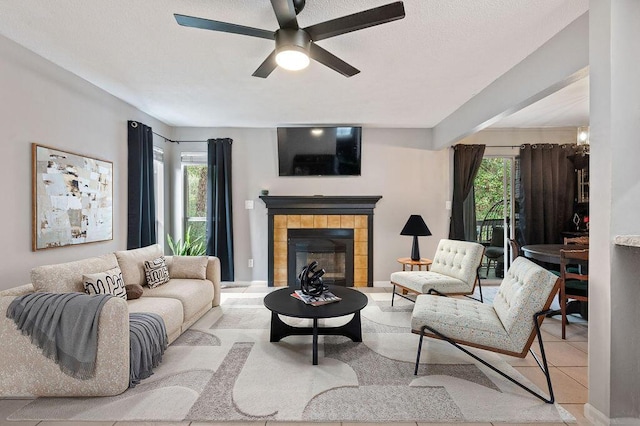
pixel 72 198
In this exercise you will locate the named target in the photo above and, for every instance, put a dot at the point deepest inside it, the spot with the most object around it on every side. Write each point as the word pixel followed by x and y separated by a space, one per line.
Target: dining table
pixel 549 253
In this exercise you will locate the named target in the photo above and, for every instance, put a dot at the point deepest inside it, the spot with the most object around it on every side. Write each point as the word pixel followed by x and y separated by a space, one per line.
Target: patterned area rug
pixel 225 369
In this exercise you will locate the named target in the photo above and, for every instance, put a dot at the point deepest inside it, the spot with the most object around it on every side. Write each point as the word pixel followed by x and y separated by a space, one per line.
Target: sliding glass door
pixel 495 212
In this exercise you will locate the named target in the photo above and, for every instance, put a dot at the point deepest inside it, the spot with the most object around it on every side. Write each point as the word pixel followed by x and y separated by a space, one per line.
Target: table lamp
pixel 415 227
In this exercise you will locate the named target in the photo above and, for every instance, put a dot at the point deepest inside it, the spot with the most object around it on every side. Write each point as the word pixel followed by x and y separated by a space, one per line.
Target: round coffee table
pixel 280 302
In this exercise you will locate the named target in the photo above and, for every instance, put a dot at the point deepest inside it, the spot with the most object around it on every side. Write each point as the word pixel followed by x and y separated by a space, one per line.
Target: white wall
pixel 395 164
pixel 614 281
pixel 43 103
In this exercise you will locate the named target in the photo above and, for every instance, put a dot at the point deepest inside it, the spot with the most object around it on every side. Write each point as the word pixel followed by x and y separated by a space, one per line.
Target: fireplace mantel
pixel 346 204
pixel 317 212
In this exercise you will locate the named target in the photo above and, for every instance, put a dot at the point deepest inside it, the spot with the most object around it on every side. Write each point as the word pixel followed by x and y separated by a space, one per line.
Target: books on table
pixel 323 299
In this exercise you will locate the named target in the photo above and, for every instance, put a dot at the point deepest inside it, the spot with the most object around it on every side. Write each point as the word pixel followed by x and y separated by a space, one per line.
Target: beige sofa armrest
pixel 213 275
pixel 25 372
pixel 18 291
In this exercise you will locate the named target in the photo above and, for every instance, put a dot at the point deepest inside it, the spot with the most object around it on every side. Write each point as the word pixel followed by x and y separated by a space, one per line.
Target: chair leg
pixel 563 311
pixel 479 286
pixel 393 294
pixel 543 365
pixel 415 371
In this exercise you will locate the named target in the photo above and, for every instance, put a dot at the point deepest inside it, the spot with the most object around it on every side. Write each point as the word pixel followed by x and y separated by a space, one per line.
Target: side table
pixel 406 261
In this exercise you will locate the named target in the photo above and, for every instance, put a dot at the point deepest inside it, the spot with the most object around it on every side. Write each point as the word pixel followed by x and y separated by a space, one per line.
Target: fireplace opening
pixel 331 248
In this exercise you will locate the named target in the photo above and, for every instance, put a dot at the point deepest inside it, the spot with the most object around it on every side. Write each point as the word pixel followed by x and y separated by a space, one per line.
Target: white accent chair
pixel 509 326
pixel 454 271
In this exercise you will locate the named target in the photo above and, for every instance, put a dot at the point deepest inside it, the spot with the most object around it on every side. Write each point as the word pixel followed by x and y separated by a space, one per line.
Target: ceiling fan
pixel 295 45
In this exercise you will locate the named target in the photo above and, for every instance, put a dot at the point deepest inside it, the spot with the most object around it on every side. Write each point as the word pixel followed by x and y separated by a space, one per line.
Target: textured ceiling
pixel 414 72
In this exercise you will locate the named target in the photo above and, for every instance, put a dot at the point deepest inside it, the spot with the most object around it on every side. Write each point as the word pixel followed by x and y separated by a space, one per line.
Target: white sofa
pixel 25 372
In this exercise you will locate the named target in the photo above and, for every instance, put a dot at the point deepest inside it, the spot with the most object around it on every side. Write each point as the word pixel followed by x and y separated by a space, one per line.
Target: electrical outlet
pixel 248 204
pixel 250 263
pixel 447 205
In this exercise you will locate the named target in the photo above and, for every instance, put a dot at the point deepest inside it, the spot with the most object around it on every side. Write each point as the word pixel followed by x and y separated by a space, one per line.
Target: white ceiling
pixel 414 72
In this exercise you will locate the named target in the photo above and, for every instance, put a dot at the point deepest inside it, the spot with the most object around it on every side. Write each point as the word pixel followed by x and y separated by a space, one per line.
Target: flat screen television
pixel 319 151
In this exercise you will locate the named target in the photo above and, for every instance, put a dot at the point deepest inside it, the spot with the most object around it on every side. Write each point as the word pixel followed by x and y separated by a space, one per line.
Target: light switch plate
pixel 248 204
pixel 447 205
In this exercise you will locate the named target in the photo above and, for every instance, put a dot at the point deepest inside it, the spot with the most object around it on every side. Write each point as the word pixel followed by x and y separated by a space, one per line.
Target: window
pixel 158 188
pixel 194 172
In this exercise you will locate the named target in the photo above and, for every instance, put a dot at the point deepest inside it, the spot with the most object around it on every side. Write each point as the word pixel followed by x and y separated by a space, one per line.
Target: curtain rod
pixel 166 139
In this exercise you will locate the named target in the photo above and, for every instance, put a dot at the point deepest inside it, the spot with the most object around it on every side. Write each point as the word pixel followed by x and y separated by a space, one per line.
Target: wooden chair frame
pixel 405 290
pixel 568 257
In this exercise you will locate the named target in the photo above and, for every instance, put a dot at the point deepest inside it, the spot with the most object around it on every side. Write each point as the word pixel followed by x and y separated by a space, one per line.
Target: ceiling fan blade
pixel 332 61
pixel 208 24
pixel 285 13
pixel 267 66
pixel 357 21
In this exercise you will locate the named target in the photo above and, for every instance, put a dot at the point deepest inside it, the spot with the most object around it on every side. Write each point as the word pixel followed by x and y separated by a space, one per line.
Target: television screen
pixel 319 151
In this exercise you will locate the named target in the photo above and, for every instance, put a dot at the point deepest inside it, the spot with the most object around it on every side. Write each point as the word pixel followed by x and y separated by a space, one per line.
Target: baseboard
pixel 598 418
pixel 382 284
pixel 243 283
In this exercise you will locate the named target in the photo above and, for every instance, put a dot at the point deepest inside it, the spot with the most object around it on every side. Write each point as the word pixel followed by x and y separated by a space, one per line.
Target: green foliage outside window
pixel 195 176
pixel 488 184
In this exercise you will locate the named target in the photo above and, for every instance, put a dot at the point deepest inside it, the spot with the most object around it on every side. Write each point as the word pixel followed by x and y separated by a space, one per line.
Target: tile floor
pixel 567 359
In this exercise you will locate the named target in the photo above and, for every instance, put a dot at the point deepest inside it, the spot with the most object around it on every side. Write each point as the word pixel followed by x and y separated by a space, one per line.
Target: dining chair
pixel 584 240
pixel 515 248
pixel 495 251
pixel 574 282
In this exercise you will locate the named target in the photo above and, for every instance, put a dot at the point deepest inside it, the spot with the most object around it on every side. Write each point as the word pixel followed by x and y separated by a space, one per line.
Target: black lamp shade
pixel 415 227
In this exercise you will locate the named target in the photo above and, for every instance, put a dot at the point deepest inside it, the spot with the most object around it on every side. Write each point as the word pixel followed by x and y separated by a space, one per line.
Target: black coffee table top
pixel 281 302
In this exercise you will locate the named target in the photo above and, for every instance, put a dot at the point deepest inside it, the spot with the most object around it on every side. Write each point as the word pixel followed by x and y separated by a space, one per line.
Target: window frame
pixel 190 159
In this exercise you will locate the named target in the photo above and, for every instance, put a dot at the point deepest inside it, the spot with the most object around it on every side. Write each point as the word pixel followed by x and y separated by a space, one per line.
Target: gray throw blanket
pixel 64 326
pixel 147 342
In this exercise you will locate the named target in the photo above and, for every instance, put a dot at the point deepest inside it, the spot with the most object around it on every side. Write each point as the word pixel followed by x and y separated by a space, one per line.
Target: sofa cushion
pixel 132 263
pixel 107 282
pixel 189 267
pixel 462 319
pixel 169 309
pixel 156 272
pixel 193 294
pixel 422 281
pixel 134 291
pixel 67 277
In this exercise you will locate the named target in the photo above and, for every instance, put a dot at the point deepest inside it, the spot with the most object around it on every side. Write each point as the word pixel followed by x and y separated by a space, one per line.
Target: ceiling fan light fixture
pixel 292 59
pixel 292 49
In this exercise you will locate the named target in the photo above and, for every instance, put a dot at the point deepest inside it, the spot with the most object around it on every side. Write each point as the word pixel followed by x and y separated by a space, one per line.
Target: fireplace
pixel 331 248
pixel 346 215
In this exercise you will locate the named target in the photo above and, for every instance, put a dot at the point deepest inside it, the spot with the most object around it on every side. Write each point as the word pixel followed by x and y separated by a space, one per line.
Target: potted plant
pixel 192 246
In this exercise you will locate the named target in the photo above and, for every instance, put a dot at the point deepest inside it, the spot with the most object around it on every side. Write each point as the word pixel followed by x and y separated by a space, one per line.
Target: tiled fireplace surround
pixel 320 212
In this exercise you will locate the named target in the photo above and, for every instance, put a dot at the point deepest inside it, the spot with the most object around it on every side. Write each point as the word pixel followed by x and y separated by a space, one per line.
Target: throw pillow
pixel 132 263
pixel 191 267
pixel 107 282
pixel 134 291
pixel 67 277
pixel 156 272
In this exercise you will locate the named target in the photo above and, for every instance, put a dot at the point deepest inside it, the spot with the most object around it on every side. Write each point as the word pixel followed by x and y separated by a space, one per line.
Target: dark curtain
pixel 469 216
pixel 466 162
pixel 219 207
pixel 546 192
pixel 141 209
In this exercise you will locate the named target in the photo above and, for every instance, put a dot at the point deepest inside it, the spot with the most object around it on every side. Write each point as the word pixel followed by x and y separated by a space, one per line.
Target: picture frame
pixel 72 198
